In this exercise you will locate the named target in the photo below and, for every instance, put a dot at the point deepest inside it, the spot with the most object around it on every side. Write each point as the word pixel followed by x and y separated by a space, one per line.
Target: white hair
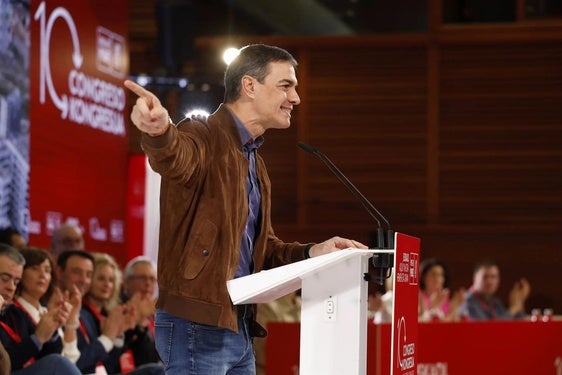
pixel 141 259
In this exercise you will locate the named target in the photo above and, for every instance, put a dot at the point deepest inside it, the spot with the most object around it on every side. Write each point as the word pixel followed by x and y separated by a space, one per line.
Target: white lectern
pixel 334 307
pixel 333 336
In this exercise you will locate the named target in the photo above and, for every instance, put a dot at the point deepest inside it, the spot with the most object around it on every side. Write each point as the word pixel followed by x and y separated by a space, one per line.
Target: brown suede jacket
pixel 203 211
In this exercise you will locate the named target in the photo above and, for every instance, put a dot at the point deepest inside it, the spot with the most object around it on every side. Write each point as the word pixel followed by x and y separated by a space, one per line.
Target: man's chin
pixel 285 125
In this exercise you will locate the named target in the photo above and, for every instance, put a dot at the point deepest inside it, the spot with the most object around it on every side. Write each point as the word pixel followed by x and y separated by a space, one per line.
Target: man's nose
pixel 294 98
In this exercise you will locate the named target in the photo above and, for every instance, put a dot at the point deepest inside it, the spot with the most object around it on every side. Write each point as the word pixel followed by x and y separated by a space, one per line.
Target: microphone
pixel 384 239
pixel 382 263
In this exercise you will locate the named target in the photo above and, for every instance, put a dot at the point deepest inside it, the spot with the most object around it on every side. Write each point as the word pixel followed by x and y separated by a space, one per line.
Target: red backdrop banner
pixel 78 137
pixel 136 205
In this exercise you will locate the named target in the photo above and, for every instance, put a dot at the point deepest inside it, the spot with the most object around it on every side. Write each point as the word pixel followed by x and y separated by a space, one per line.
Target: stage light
pixel 197 112
pixel 230 54
pixel 143 80
pixel 182 82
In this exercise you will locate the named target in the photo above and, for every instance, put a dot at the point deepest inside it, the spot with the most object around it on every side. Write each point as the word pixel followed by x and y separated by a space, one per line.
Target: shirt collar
pixel 31 310
pixel 248 142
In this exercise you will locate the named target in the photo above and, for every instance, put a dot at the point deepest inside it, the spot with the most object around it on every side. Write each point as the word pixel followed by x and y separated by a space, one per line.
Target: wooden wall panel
pixel 367 112
pixel 280 153
pixel 143 37
pixel 501 134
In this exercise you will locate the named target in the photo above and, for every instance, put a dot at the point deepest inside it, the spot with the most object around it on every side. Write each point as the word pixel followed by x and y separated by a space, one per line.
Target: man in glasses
pixel 11 270
pixel 139 284
pixel 66 237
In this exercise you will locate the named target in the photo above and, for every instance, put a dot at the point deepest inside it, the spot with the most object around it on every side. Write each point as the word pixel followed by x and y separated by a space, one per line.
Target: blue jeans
pixel 189 348
pixel 52 364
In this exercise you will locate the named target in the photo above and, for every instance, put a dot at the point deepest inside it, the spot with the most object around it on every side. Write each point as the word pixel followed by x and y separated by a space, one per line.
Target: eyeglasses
pixel 5 277
pixel 144 278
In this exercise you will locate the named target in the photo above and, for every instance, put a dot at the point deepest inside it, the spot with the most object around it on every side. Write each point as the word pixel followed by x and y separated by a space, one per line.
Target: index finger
pixel 139 90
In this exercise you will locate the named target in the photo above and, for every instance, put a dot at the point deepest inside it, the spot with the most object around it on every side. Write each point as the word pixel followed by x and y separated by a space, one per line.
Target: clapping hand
pixel 518 295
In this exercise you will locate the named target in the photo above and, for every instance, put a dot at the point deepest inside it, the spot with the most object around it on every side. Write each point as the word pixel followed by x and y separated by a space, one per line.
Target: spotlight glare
pixel 196 113
pixel 230 54
pixel 143 80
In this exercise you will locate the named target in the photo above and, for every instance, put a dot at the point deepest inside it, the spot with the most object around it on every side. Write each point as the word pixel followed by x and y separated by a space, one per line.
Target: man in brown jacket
pixel 215 207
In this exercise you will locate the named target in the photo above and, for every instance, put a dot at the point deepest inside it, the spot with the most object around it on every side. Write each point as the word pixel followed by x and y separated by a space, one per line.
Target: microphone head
pixel 307 148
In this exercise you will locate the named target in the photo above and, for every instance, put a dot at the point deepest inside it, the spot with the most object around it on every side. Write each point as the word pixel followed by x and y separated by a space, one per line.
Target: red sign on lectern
pixel 405 309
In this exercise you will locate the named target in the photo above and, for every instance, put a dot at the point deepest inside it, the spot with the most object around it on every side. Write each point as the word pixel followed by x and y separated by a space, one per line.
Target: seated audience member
pixel 11 271
pixel 284 309
pixel 5 364
pixel 101 308
pixel 139 284
pixel 435 301
pixel 481 301
pixel 12 237
pixel 75 269
pixel 379 301
pixel 34 318
pixel 66 237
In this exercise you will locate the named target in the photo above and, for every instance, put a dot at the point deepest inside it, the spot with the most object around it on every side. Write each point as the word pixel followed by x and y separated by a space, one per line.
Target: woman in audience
pixel 100 301
pixel 37 330
pixel 103 295
pixel 435 301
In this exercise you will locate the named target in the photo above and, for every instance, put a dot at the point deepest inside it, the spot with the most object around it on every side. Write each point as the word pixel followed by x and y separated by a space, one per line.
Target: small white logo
pixel 53 220
pixel 116 231
pixel 96 231
pixel 110 52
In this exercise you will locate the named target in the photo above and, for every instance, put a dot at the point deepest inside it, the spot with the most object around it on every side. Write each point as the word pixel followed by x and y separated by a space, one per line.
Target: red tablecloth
pixel 507 347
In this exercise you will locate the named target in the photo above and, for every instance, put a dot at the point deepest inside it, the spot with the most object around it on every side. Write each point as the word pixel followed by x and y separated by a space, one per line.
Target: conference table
pixel 486 347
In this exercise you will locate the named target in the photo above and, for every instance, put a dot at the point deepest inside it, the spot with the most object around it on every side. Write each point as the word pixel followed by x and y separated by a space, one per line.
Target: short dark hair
pixel 12 253
pixel 428 264
pixel 65 255
pixel 33 257
pixel 6 235
pixel 253 60
pixel 485 263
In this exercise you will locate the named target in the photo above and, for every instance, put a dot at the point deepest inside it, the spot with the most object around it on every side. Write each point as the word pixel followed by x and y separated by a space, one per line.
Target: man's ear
pixel 248 86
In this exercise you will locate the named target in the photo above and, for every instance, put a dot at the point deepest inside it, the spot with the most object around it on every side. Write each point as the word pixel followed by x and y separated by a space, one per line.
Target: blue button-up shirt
pixel 252 229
